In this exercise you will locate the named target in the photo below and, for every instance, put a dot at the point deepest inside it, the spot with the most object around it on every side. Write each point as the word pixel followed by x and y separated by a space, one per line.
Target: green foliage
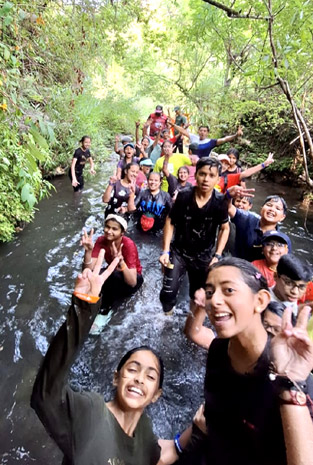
pixel 73 68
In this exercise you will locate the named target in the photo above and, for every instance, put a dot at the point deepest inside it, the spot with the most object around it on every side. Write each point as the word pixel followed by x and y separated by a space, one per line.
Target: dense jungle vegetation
pixel 75 67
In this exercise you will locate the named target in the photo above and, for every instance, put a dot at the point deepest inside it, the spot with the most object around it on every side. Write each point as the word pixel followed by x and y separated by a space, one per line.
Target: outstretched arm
pixel 53 400
pixel 255 169
pixel 222 141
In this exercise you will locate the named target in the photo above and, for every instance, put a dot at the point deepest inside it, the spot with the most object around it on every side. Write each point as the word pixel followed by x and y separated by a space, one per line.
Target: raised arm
pixel 129 274
pixel 292 356
pixel 194 327
pixel 223 140
pixel 255 169
pixel 107 193
pixel 137 132
pixel 236 191
pixel 180 129
pixel 52 399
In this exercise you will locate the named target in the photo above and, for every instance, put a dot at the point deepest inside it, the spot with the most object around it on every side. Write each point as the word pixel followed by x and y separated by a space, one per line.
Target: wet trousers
pixel 115 288
pixel 197 270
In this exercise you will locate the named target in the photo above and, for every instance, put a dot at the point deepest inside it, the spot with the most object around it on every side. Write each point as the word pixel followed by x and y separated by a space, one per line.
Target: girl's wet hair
pixel 82 140
pixel 132 163
pixel 250 274
pixel 291 266
pixel 276 198
pixel 183 168
pixel 153 172
pixel 234 152
pixel 137 349
pixel 211 162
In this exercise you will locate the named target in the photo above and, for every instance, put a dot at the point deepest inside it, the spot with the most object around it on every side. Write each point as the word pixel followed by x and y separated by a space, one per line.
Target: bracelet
pixel 177 445
pixel 296 398
pixel 88 263
pixel 92 299
pixel 111 184
pixel 165 251
pixel 218 256
pixel 263 166
pixel 228 195
pixel 123 268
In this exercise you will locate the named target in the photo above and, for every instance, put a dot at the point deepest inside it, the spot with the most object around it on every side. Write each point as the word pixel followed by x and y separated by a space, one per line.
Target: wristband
pixel 263 166
pixel 111 184
pixel 218 256
pixel 228 195
pixel 177 445
pixel 92 299
pixel 164 252
pixel 88 263
pixel 122 268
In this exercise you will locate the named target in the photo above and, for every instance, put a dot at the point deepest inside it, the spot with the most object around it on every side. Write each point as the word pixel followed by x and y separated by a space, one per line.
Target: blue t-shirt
pixel 249 236
pixel 204 150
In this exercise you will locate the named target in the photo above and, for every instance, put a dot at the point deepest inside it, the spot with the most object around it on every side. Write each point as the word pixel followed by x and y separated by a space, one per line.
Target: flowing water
pixel 37 274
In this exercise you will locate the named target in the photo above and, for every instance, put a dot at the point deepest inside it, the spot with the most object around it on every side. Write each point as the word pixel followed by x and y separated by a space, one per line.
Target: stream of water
pixel 37 274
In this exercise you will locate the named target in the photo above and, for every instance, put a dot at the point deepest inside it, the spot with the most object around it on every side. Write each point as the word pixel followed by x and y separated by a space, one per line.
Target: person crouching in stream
pixel 127 277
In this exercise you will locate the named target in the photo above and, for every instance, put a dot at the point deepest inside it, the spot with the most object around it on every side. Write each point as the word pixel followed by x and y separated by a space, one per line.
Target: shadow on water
pixel 38 271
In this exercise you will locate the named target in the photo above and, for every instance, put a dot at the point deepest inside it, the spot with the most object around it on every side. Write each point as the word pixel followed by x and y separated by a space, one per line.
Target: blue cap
pixel 275 235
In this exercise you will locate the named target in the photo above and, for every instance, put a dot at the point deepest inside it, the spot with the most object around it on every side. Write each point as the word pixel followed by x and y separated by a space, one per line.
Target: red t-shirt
pixel 232 180
pixel 308 296
pixel 266 271
pixel 129 252
pixel 158 123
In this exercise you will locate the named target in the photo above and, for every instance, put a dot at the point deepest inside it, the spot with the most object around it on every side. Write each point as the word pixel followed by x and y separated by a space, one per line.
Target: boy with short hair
pixel 196 216
pixel 293 276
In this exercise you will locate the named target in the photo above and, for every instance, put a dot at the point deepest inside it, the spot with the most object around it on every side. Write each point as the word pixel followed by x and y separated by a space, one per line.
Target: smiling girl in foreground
pixel 253 418
pixel 88 430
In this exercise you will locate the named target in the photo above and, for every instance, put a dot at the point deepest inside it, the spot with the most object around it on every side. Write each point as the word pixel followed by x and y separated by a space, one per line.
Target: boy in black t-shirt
pixel 196 216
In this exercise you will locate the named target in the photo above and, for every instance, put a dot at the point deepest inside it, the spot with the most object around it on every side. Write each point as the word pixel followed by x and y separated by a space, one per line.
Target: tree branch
pixel 231 13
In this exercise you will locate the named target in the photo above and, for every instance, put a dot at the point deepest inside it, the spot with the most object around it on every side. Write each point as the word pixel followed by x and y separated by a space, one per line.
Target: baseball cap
pixel 176 108
pixel 269 235
pixel 129 144
pixel 158 109
pixel 224 157
pixel 118 219
pixel 146 162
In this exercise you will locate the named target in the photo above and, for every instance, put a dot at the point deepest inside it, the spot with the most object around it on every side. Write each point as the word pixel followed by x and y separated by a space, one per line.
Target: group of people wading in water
pixel 258 296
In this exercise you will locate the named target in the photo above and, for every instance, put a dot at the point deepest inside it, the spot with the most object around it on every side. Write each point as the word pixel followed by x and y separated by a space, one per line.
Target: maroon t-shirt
pixel 129 252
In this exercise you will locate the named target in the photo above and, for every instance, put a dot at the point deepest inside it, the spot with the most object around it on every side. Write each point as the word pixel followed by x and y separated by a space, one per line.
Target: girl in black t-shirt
pixel 81 156
pixel 117 193
pixel 254 385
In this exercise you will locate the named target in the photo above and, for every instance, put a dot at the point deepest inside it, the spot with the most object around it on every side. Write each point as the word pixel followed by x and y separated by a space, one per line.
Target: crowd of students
pixel 258 387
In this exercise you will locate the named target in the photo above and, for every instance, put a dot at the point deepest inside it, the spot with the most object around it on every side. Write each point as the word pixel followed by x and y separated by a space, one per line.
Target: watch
pixel 218 256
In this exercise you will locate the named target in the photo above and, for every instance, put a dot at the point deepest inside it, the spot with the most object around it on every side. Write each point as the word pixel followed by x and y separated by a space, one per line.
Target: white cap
pixel 118 219
pixel 224 157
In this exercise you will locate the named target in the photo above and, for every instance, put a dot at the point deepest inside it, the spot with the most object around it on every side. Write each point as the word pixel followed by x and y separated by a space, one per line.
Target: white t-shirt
pixel 195 139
